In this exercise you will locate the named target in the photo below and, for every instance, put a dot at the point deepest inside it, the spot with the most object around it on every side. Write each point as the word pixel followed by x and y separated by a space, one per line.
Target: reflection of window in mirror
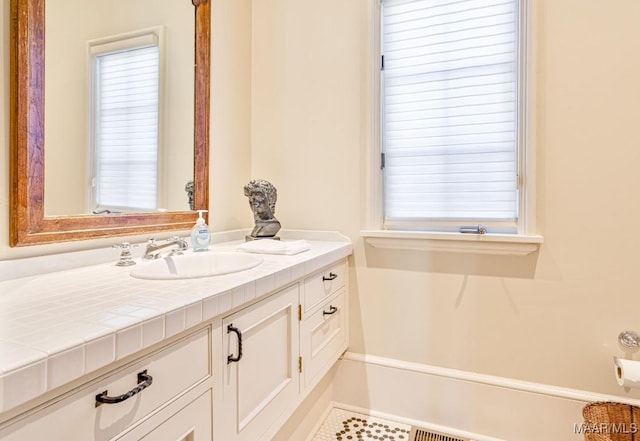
pixel 124 79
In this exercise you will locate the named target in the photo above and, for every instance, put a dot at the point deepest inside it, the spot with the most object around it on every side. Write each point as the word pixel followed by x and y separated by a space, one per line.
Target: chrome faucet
pixel 153 248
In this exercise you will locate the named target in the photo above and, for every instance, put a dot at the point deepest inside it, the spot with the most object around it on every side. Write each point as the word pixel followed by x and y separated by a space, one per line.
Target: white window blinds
pixel 450 111
pixel 126 128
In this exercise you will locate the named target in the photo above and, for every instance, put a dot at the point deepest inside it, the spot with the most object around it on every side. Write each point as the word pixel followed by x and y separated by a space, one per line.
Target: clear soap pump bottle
pixel 200 236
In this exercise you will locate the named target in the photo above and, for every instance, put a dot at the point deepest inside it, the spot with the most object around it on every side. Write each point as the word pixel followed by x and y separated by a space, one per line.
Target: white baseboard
pixel 466 404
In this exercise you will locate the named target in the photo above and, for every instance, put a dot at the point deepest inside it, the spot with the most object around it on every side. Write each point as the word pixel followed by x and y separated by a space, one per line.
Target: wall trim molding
pixel 487 407
pixel 491 380
pixel 494 244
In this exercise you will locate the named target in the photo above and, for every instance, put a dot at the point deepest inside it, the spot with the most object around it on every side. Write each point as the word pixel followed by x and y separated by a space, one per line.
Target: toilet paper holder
pixel 629 339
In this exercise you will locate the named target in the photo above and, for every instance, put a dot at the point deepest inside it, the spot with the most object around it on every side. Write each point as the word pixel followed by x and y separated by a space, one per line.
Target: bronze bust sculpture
pixel 262 200
pixel 189 188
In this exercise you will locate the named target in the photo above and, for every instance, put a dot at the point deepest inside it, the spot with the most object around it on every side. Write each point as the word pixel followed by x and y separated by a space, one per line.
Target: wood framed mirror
pixel 29 223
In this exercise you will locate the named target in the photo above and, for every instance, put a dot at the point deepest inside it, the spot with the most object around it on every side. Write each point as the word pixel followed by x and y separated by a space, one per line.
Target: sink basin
pixel 195 265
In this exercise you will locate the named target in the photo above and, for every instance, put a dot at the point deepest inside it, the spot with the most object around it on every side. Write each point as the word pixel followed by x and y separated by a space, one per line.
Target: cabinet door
pixel 264 382
pixel 323 338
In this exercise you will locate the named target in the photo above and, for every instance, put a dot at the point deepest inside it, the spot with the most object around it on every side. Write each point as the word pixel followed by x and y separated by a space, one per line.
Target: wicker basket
pixel 608 421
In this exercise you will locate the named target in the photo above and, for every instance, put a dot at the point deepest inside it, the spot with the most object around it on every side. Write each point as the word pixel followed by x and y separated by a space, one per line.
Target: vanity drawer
pixel 189 423
pixel 318 287
pixel 174 370
pixel 323 337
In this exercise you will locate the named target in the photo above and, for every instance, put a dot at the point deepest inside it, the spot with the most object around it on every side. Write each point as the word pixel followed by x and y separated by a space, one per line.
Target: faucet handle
pixel 125 255
pixel 125 245
pixel 182 243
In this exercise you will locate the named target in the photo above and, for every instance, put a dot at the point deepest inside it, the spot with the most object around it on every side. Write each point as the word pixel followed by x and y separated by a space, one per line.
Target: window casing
pixel 124 125
pixel 453 122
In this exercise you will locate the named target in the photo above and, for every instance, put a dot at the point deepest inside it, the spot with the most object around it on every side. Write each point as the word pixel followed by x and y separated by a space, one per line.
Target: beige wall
pixel 552 317
pixel 230 122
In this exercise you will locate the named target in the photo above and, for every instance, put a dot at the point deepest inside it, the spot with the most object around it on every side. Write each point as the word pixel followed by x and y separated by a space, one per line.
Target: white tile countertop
pixel 57 327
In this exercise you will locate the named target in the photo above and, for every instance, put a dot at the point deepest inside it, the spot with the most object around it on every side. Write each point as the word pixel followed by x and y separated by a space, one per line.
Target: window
pixel 452 115
pixel 124 125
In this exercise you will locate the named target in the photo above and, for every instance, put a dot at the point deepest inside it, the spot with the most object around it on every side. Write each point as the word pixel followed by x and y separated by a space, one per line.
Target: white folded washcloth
pixel 270 246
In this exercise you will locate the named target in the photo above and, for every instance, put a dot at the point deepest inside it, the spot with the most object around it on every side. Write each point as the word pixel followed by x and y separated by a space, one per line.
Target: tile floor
pixel 343 425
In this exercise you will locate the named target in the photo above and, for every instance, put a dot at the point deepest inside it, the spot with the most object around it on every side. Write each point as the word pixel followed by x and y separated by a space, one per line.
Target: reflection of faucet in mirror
pixel 189 189
pixel 262 200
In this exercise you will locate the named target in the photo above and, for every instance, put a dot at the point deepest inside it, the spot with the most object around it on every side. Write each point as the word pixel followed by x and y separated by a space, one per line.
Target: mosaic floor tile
pixel 344 425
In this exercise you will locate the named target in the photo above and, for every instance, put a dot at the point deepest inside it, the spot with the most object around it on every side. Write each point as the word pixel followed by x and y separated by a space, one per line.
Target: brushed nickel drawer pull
pixel 144 380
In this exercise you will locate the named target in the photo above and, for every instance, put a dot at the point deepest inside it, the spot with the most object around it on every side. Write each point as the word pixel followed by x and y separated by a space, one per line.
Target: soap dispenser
pixel 200 236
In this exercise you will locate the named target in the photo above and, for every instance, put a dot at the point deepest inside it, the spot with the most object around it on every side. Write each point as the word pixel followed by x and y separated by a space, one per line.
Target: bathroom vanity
pixel 226 358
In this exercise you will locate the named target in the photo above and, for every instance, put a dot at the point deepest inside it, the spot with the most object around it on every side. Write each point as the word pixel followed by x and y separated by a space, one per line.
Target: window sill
pixel 496 244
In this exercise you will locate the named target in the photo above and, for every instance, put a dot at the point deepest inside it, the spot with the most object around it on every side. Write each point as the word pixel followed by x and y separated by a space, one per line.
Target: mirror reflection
pixel 118 106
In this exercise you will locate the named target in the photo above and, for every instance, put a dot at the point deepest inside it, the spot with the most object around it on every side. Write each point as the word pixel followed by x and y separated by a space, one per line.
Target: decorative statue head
pixel 262 200
pixel 189 188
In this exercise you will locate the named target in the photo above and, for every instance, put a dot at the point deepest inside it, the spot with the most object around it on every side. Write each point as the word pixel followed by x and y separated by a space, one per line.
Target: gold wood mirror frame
pixel 28 223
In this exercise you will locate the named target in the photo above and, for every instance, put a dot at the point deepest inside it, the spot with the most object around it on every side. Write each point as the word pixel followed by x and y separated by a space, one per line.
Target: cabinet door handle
pixel 332 276
pixel 332 310
pixel 231 358
pixel 144 381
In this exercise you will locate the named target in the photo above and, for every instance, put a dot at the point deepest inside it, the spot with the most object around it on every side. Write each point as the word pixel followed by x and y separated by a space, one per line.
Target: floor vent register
pixel 418 434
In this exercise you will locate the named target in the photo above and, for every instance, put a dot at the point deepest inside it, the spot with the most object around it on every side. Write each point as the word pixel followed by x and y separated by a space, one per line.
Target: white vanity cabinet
pixel 180 378
pixel 275 351
pixel 249 352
